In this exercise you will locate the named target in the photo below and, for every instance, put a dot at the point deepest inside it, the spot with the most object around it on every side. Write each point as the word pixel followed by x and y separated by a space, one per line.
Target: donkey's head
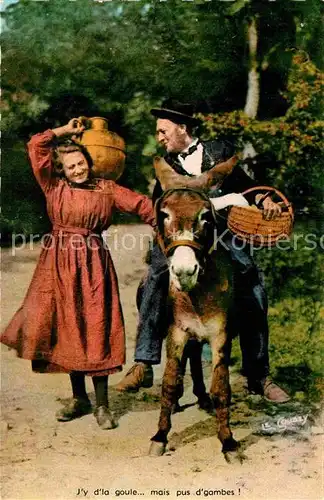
pixel 186 223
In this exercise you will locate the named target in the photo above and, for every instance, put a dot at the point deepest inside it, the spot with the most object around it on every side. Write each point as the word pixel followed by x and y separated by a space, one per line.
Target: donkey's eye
pixel 165 215
pixel 164 219
pixel 205 217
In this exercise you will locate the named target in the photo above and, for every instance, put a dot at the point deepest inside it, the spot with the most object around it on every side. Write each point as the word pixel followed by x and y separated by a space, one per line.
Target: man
pixel 189 156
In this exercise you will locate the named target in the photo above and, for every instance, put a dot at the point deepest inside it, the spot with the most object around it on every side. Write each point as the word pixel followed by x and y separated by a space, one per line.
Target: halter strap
pixel 177 243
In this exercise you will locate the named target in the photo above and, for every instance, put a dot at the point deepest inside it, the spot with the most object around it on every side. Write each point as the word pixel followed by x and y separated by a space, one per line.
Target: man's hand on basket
pixel 271 210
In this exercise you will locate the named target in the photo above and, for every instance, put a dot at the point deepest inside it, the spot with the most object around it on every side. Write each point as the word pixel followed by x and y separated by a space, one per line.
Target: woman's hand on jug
pixel 73 128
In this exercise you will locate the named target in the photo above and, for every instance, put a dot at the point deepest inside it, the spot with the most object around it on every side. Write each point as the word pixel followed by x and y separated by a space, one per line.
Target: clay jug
pixel 106 148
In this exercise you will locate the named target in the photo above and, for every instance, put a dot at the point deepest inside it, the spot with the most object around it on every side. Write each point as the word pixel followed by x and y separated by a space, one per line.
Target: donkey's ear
pixel 167 176
pixel 169 179
pixel 223 169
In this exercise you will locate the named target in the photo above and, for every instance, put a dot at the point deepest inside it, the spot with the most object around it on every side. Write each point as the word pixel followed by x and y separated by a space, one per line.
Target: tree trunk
pixel 253 93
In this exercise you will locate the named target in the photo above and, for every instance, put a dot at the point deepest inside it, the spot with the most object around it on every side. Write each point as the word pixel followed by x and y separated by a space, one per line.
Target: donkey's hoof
pixel 157 449
pixel 205 403
pixel 229 444
pixel 232 451
pixel 234 457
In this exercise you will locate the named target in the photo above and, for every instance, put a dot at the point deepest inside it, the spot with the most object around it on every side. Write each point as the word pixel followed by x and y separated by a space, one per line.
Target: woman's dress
pixel 71 318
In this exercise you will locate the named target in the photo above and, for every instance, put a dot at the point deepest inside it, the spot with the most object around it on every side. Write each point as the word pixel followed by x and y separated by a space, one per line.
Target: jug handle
pixel 86 122
pixel 81 120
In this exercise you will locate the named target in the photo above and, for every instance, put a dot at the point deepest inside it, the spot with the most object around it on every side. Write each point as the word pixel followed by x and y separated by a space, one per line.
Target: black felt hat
pixel 176 112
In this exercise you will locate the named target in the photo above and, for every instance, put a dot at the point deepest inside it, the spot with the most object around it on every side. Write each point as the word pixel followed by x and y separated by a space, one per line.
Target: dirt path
pixel 44 459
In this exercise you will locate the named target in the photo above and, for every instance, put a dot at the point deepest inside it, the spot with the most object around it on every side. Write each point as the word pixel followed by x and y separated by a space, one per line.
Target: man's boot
pixel 269 390
pixel 140 375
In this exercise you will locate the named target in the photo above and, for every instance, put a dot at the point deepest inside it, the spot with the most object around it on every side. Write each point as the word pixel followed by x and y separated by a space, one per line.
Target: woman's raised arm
pixel 40 149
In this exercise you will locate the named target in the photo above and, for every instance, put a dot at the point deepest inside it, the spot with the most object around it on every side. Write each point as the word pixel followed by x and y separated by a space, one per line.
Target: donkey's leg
pixel 182 371
pixel 220 387
pixel 192 351
pixel 196 370
pixel 171 385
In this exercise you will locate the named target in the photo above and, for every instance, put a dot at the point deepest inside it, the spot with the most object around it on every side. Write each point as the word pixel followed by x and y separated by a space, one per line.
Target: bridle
pixel 166 249
pixel 177 243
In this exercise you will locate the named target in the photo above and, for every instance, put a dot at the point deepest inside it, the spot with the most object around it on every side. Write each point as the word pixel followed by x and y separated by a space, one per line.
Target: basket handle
pixel 271 190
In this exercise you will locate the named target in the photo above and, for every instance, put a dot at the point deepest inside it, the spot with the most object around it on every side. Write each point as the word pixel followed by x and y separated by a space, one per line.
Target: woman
pixel 71 319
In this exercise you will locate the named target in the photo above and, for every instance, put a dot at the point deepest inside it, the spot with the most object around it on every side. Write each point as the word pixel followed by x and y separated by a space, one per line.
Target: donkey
pixel 200 295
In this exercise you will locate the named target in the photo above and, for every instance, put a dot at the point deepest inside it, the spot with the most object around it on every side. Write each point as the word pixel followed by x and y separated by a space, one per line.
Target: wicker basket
pixel 248 223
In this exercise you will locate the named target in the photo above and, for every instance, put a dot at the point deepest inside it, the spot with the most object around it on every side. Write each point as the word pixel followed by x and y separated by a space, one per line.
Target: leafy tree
pixel 118 59
pixel 294 140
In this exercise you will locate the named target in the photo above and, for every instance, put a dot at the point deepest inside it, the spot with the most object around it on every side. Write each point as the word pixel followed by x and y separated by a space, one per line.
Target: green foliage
pixel 296 267
pixel 293 333
pixel 23 208
pixel 294 278
pixel 296 346
pixel 297 343
pixel 296 139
